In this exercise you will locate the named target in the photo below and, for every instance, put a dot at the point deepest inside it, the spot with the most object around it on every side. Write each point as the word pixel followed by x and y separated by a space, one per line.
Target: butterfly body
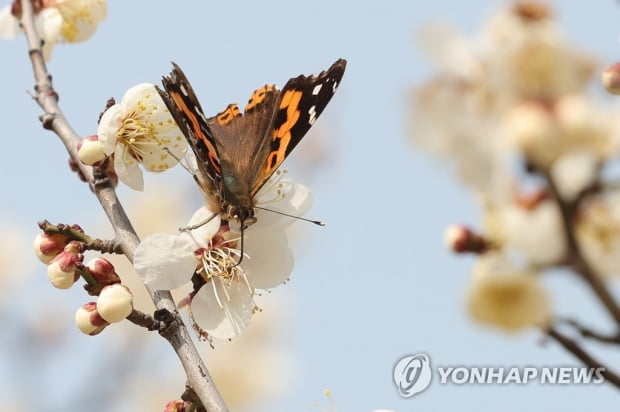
pixel 236 151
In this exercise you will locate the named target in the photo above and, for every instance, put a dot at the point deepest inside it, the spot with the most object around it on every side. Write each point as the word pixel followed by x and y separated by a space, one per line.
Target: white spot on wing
pixel 312 113
pixel 316 89
pixel 183 89
pixel 199 112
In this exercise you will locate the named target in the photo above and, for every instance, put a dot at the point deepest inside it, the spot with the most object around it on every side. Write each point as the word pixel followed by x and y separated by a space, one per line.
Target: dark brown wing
pixel 243 142
pixel 184 107
pixel 301 101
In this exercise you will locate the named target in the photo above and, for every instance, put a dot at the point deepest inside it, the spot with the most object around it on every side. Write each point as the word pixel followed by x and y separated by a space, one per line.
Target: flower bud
pixel 88 320
pixel 102 271
pixel 175 406
pixel 62 269
pixel 115 303
pixel 461 239
pixel 611 78
pixel 47 246
pixel 90 151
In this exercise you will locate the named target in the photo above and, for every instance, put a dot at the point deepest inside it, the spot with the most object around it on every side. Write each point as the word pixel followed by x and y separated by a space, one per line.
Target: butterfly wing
pixel 301 101
pixel 184 107
pixel 243 142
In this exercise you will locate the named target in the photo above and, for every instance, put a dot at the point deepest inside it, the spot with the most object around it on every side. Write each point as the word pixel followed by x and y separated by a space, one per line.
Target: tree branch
pixel 568 211
pixel 53 119
pixel 574 348
pixel 590 333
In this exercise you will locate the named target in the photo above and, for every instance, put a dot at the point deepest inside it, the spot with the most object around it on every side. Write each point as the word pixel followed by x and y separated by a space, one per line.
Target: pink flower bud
pixel 611 78
pixel 47 246
pixel 90 151
pixel 115 303
pixel 461 239
pixel 88 319
pixel 62 269
pixel 177 405
pixel 103 271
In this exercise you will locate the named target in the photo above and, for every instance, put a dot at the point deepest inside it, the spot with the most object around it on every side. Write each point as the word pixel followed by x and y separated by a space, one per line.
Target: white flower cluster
pixel 509 111
pixel 57 21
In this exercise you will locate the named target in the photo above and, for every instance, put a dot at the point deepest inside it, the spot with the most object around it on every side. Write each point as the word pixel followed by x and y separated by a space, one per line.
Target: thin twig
pixel 53 119
pixel 590 333
pixel 574 348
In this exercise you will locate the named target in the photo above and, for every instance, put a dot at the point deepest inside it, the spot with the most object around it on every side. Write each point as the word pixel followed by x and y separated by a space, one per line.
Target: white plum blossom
pixel 574 172
pixel 505 296
pixel 535 232
pixel 140 129
pixel 223 306
pixel 56 21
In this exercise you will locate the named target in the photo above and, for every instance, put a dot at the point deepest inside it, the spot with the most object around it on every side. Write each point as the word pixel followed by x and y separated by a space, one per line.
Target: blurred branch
pixel 587 332
pixel 53 119
pixel 568 212
pixel 574 348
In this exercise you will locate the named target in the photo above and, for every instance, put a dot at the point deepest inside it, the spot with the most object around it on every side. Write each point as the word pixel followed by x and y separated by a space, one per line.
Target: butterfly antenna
pixel 179 161
pixel 184 165
pixel 197 225
pixel 316 222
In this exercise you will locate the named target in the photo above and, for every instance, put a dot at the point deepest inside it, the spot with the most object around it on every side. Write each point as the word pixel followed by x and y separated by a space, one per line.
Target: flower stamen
pixel 218 265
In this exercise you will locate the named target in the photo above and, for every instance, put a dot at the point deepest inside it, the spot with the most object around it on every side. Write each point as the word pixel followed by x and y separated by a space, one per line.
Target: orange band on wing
pixel 282 136
pixel 258 96
pixel 214 159
pixel 228 114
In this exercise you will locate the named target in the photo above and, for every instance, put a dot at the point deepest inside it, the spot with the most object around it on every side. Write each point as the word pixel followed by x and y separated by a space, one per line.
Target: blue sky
pixel 376 283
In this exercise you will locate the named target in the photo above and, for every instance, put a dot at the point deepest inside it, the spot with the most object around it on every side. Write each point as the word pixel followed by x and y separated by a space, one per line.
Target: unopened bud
pixel 611 78
pixel 103 271
pixel 90 151
pixel 177 405
pixel 47 246
pixel 115 303
pixel 62 269
pixel 88 319
pixel 461 239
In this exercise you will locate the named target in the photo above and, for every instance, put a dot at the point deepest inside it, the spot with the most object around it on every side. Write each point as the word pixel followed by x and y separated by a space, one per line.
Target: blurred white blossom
pixel 56 21
pixel 509 110
pixel 534 232
pixel 505 296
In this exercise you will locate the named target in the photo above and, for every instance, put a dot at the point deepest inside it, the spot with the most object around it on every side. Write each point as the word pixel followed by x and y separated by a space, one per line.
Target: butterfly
pixel 237 152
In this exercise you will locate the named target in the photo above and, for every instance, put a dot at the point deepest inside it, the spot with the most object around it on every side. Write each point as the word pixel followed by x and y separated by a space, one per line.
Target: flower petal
pixel 9 25
pixel 165 261
pixel 269 261
pixel 150 129
pixel 80 18
pixel 223 308
pixel 203 234
pixel 282 195
pixel 136 95
pixel 49 25
pixel 108 128
pixel 127 169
